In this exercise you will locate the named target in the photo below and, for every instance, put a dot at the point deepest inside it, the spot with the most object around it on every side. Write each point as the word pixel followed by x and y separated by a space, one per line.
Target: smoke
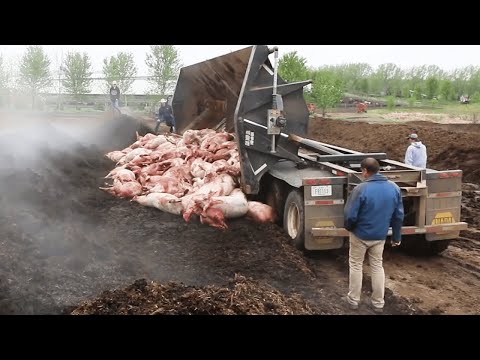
pixel 50 213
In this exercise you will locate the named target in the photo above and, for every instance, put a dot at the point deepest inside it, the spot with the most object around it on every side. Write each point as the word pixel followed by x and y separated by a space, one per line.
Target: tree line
pixel 331 82
pixel 34 74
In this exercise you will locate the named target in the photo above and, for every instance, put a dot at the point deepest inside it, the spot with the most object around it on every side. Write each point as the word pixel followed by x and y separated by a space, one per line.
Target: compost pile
pixel 241 296
pixel 471 204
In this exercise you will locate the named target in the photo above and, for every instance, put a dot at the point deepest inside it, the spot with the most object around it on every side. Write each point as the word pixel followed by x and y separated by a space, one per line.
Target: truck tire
pixel 294 218
pixel 276 199
pixel 436 247
pixel 419 246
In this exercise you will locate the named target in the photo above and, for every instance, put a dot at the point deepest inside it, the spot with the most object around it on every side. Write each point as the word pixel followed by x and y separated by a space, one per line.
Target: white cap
pixel 163 101
pixel 114 83
pixel 413 136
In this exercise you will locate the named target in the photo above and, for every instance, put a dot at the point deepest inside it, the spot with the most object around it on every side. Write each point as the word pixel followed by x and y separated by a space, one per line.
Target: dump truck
pixel 307 182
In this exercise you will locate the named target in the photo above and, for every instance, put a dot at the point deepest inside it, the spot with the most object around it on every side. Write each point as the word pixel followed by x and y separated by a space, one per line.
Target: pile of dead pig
pixel 196 174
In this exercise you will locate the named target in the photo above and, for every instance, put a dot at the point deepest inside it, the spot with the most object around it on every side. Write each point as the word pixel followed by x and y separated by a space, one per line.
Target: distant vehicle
pixel 362 107
pixel 464 99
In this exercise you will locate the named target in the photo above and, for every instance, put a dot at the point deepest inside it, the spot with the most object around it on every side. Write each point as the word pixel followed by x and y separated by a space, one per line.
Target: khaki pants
pixel 374 248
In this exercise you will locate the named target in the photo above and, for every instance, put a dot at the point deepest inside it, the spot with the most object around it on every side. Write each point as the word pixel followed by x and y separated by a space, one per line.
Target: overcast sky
pixel 446 57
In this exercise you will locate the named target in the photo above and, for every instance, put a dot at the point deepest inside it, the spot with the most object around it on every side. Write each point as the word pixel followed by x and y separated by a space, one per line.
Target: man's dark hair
pixel 370 164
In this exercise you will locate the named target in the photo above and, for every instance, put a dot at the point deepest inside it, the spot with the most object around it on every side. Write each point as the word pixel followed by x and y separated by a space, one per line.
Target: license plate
pixel 322 190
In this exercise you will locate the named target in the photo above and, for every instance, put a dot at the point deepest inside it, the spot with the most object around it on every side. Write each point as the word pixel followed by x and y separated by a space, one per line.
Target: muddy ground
pixel 64 241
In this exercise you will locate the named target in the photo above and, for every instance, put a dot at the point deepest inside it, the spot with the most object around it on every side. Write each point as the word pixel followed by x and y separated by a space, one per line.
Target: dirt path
pixel 64 241
pixel 446 284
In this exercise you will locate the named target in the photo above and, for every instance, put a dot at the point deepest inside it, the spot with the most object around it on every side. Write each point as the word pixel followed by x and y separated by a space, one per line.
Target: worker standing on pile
pixel 115 97
pixel 416 154
pixel 372 207
pixel 165 114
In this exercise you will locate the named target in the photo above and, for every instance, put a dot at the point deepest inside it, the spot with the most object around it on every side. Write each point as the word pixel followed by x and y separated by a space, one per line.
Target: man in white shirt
pixel 416 154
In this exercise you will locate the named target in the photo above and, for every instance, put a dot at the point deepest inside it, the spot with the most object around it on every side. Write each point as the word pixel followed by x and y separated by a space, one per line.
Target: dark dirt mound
pixel 48 183
pixel 466 158
pixel 452 146
pixel 241 296
pixel 471 204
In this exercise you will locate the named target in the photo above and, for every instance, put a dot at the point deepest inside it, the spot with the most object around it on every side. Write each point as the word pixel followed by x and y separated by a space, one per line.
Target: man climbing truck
pixel 306 181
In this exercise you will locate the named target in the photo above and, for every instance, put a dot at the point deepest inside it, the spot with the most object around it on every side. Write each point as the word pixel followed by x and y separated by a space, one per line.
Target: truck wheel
pixel 294 218
pixel 419 246
pixel 275 198
pixel 436 247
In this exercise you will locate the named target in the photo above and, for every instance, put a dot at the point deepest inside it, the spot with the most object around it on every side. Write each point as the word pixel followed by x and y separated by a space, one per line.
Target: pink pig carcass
pixel 124 190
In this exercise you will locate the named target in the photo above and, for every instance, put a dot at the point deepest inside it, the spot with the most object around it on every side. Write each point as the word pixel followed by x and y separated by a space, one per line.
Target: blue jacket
pixel 374 206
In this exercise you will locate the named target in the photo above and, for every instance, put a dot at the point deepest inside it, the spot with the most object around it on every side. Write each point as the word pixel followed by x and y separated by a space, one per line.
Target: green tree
pixel 446 90
pixel 473 84
pixel 327 89
pixel 354 76
pixel 431 87
pixel 418 91
pixel 435 71
pixel 120 68
pixel 414 78
pixel 292 67
pixel 418 72
pixel 390 102
pixel 35 71
pixel 387 79
pixel 406 91
pixel 460 80
pixel 363 86
pixel 476 97
pixel 164 64
pixel 77 73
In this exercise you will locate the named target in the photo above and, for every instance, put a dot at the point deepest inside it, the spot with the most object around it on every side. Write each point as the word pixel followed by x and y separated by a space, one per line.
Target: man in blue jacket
pixel 373 206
